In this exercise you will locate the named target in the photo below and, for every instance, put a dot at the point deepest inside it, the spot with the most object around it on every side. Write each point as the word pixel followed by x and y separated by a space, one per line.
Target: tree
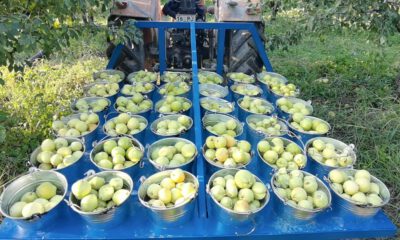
pixel 377 16
pixel 29 25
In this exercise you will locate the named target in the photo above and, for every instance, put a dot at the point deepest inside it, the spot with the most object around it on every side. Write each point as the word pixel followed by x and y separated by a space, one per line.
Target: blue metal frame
pixel 332 224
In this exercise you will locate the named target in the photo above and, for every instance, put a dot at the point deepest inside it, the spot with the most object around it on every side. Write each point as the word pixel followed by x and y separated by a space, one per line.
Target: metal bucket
pixel 237 96
pixel 131 77
pixel 87 139
pixel 108 217
pixel 170 142
pixel 212 167
pixel 86 88
pixel 254 136
pixel 148 93
pixel 145 113
pixel 140 136
pixel 360 210
pixel 186 94
pixel 183 134
pixel 243 113
pixel 214 118
pixel 90 100
pixel 304 136
pixel 96 75
pixel 181 76
pixel 72 172
pixel 296 213
pixel 133 170
pixel 228 216
pixel 213 90
pixel 29 182
pixel 208 73
pixel 186 112
pixel 285 115
pixel 320 169
pixel 267 169
pixel 174 216
pixel 219 101
pixel 233 81
pixel 265 85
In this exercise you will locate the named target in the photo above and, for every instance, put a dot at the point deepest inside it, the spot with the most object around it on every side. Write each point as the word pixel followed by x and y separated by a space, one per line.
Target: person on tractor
pixel 174 7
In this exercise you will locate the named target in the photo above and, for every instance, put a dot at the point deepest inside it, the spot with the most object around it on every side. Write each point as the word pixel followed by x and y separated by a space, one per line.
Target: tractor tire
pixel 243 55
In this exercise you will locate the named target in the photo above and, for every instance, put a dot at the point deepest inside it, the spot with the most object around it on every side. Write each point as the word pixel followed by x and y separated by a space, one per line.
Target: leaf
pixel 2 82
pixel 2 133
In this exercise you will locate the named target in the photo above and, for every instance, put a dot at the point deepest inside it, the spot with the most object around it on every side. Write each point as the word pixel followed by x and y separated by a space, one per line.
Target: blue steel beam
pixel 220 51
pixel 197 124
pixel 114 57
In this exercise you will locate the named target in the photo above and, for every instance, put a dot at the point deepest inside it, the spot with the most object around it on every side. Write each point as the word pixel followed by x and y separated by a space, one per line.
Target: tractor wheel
pixel 243 55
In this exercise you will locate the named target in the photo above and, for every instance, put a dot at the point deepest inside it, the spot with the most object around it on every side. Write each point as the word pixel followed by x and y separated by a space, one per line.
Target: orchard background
pixel 345 57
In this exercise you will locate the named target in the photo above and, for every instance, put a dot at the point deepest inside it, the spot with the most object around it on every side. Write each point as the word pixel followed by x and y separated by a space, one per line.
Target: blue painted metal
pixel 114 57
pixel 332 224
pixel 220 51
pixel 197 124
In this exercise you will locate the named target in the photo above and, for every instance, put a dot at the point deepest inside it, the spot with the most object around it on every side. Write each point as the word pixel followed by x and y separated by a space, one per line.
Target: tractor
pixel 240 54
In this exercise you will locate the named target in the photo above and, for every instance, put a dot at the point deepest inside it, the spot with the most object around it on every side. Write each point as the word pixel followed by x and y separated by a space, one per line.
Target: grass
pixel 360 99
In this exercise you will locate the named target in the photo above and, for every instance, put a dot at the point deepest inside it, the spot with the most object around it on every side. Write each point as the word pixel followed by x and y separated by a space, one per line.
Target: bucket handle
pixel 89 173
pixel 253 228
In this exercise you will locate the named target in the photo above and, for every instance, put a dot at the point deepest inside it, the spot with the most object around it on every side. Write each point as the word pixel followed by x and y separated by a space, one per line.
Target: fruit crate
pixel 333 223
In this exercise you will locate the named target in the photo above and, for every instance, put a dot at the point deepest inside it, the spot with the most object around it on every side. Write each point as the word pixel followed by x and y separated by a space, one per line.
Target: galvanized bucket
pixel 219 101
pixel 145 113
pixel 181 76
pixel 233 81
pixel 108 217
pixel 72 172
pixel 133 170
pixel 139 135
pixel 304 136
pixel 186 94
pixel 188 166
pixel 320 169
pixel 86 88
pixel 346 205
pixel 160 102
pixel 90 100
pixel 297 213
pixel 267 169
pixel 254 136
pixel 285 115
pixel 214 118
pixel 29 182
pixel 96 75
pixel 265 86
pixel 174 216
pixel 228 216
pixel 236 95
pixel 244 113
pixel 213 90
pixel 87 139
pixel 212 167
pixel 131 76
pixel 148 93
pixel 183 134
pixel 208 73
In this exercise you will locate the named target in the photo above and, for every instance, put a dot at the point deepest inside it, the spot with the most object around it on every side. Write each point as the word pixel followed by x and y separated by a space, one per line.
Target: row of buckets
pixel 65 177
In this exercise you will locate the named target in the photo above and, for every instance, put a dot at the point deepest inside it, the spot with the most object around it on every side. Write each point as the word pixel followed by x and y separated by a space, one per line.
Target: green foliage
pixel 125 33
pixel 380 18
pixel 29 25
pixel 31 99
pixel 360 98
